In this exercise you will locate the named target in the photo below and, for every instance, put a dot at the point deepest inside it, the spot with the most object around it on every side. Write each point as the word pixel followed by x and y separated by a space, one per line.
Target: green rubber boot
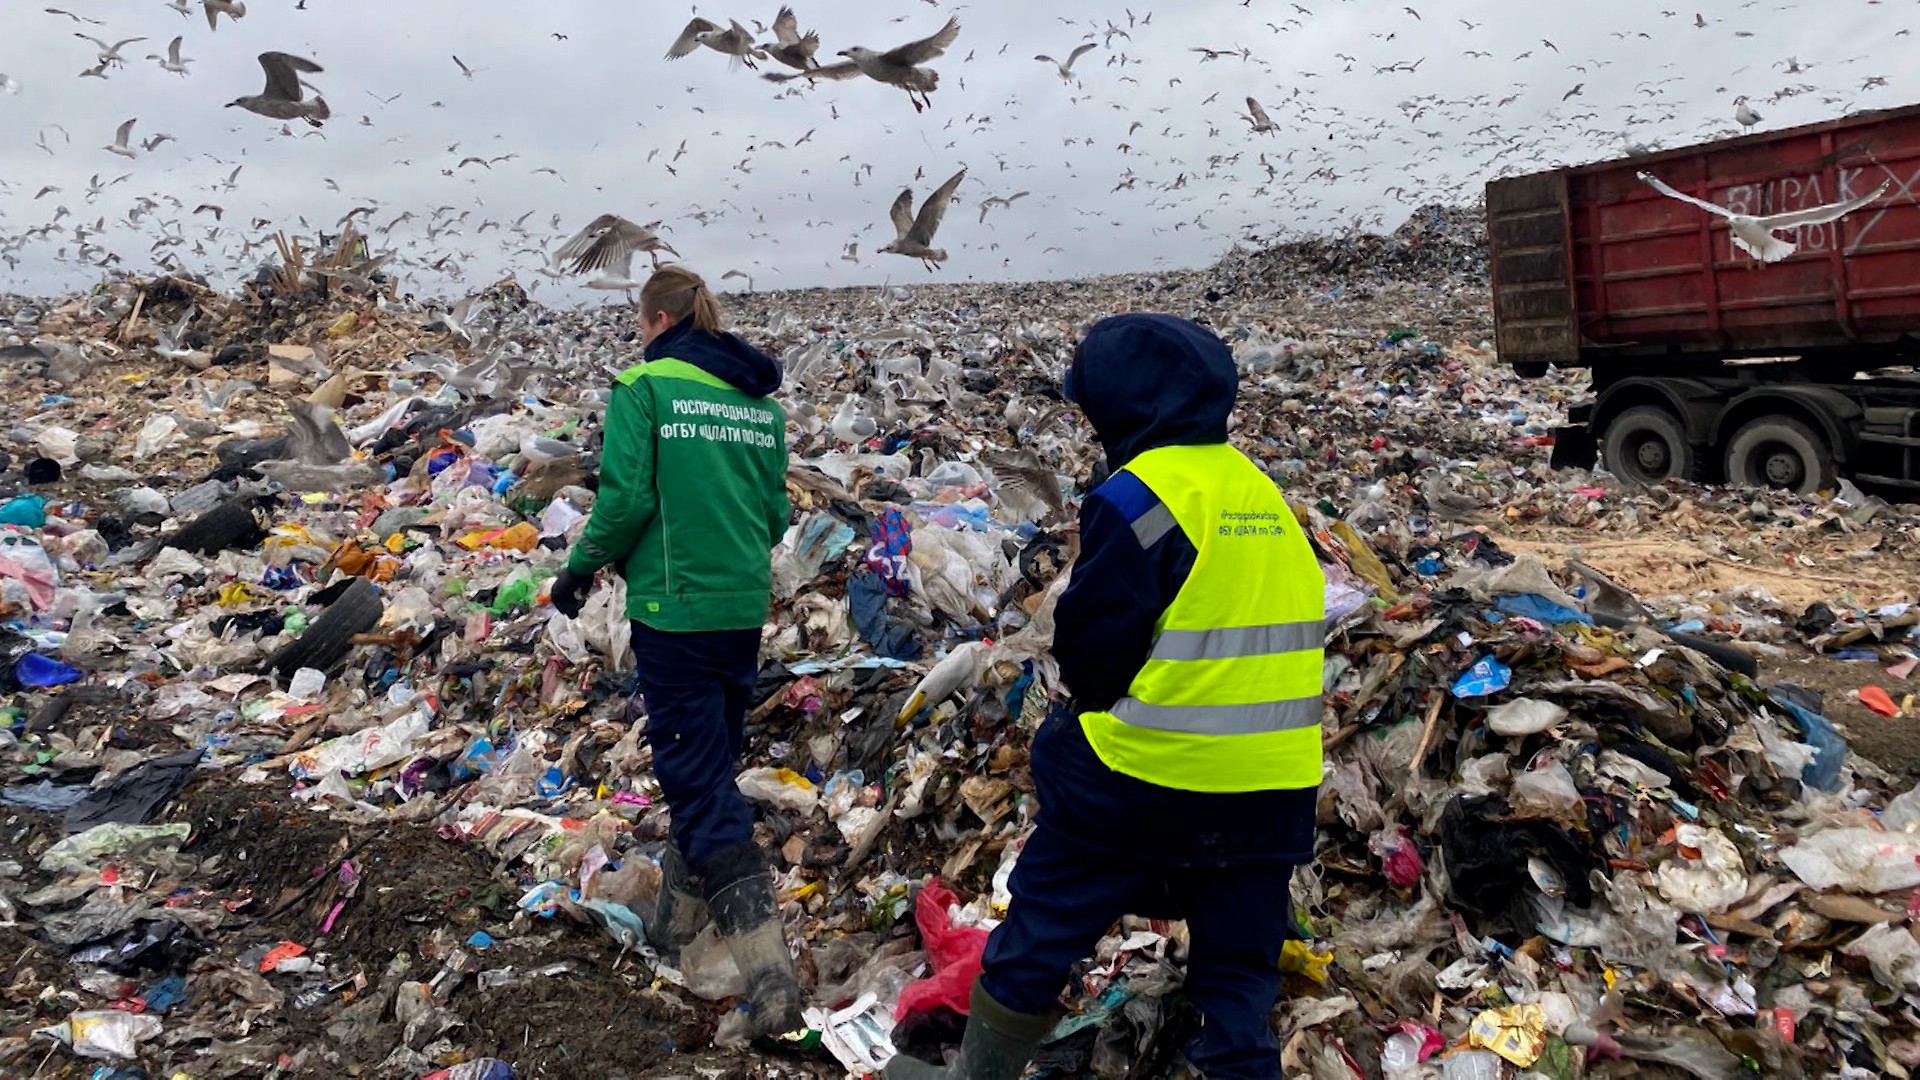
pixel 741 896
pixel 997 1046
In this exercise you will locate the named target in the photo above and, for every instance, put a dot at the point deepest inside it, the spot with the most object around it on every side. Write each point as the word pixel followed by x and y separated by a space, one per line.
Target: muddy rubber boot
pixel 997 1046
pixel 681 912
pixel 740 894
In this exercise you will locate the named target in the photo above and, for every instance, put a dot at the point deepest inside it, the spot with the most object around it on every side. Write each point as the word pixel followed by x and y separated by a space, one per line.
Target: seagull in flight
pixel 914 232
pixel 1754 235
pixel 607 244
pixel 1066 68
pixel 997 200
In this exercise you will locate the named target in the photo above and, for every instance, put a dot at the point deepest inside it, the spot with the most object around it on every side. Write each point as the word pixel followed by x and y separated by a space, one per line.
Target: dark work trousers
pixel 698 688
pixel 1067 892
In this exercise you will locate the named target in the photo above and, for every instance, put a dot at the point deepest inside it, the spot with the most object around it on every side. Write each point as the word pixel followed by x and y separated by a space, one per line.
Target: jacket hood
pixel 1147 381
pixel 724 356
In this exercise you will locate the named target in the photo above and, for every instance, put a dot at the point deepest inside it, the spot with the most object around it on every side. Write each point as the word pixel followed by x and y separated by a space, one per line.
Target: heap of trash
pixel 303 776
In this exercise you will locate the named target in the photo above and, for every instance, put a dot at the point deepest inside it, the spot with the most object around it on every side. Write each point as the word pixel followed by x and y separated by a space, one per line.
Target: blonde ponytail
pixel 679 292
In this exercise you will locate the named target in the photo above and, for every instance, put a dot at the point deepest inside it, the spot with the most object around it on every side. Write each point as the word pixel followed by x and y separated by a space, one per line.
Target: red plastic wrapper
pixel 953 954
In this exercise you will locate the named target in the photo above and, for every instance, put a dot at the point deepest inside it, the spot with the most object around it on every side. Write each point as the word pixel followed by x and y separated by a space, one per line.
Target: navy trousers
pixel 1067 892
pixel 698 688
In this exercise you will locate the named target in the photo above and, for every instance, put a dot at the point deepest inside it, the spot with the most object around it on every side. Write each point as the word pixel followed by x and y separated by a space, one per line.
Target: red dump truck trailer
pixel 1708 363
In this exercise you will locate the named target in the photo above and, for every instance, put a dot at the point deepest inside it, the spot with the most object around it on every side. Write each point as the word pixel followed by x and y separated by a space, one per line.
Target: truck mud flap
pixel 1574 448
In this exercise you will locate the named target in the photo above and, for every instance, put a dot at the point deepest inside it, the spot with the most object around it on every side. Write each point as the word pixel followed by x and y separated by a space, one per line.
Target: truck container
pixel 1707 363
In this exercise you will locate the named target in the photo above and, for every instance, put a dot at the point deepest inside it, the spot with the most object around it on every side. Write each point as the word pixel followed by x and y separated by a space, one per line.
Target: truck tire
pixel 1645 445
pixel 329 638
pixel 1781 452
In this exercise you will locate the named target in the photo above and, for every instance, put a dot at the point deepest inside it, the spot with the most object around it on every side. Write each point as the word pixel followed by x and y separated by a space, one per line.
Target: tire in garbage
pixel 1781 452
pixel 231 524
pixel 329 638
pixel 1646 445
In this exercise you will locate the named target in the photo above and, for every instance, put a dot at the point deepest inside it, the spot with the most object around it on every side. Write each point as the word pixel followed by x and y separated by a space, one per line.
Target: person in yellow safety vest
pixel 1181 781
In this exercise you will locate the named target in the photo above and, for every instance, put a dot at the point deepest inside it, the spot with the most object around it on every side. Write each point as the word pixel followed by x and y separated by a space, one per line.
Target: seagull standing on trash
pixel 1754 235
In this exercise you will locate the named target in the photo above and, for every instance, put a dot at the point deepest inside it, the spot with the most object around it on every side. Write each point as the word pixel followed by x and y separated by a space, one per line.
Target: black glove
pixel 569 592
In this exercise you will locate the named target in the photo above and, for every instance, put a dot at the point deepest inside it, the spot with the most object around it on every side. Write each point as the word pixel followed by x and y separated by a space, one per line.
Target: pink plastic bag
pixel 953 953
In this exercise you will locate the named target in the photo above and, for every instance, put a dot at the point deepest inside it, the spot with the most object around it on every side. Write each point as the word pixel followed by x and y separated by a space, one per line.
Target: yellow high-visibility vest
pixel 1229 698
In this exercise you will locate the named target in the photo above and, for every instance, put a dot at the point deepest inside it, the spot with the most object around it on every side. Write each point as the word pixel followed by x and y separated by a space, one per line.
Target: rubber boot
pixel 741 896
pixel 997 1046
pixel 681 912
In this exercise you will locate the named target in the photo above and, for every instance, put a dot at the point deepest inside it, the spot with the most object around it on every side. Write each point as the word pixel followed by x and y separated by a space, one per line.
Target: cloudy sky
pixel 1377 108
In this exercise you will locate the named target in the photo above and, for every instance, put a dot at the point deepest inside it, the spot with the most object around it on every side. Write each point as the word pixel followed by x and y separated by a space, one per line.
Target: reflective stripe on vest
pixel 1229 698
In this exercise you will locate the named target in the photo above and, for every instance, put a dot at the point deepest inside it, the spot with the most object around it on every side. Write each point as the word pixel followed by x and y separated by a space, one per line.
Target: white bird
pixel 734 41
pixel 992 201
pixel 184 7
pixel 896 67
pixel 234 9
pixel 849 426
pixel 1066 69
pixel 964 665
pixel 119 143
pixel 1257 117
pixel 169 343
pixel 607 244
pixel 8 84
pixel 173 61
pixel 110 54
pixel 1744 114
pixel 914 234
pixel 1754 235
pixel 852 254
pixel 742 275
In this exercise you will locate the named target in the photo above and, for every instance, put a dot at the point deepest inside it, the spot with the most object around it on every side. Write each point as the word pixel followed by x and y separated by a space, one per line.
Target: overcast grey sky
pixel 1353 122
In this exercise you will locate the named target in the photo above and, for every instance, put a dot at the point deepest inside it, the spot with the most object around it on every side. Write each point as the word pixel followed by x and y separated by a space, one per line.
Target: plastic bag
pixel 84 851
pixel 783 788
pixel 1857 860
pixel 1892 954
pixel 953 952
pixel 1709 883
pixel 1549 785
pixel 158 433
pixel 106 1034
pixel 365 750
pixel 1524 716
pixel 1486 676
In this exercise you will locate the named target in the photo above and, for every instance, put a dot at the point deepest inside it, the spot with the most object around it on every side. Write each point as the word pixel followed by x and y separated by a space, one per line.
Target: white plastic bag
pixel 158 433
pixel 105 1034
pixel 1857 860
pixel 1549 786
pixel 783 788
pixel 1524 716
pixel 1709 884
pixel 1892 954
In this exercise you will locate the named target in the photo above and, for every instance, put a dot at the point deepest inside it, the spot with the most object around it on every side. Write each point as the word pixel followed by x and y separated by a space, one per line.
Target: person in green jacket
pixel 692 499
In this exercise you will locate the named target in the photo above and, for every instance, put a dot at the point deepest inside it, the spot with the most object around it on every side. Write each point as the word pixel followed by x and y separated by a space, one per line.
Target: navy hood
pixel 1147 381
pixel 722 356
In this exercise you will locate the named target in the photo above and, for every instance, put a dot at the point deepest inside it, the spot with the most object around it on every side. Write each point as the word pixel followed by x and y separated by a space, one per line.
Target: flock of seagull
pixel 1292 174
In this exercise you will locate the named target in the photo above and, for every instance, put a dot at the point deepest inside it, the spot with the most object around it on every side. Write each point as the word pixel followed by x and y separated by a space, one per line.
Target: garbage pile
pixel 304 777
pixel 1435 241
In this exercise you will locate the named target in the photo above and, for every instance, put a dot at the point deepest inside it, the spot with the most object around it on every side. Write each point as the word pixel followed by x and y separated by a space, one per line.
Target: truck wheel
pixel 1646 446
pixel 1781 452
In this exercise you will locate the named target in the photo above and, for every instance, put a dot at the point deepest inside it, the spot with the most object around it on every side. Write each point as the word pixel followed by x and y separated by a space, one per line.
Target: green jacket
pixel 692 485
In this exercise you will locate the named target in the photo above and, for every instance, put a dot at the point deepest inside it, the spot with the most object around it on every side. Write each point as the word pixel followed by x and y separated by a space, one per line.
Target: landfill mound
pixel 305 778
pixel 1435 241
